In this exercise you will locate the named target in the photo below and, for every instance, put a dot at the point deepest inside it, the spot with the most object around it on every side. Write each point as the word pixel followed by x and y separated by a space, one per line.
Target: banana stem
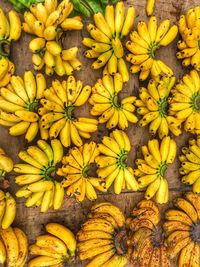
pixel 4 48
pixel 162 169
pixel 47 173
pixel 85 171
pixel 195 102
pixel 163 106
pixel 69 112
pixel 152 49
pixel 33 106
pixel 114 100
pixel 121 160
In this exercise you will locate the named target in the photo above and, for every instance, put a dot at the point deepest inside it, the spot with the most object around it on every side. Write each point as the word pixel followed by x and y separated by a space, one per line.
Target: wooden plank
pixel 72 214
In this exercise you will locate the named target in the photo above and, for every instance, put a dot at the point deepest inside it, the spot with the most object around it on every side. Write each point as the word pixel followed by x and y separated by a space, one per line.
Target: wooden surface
pixel 72 214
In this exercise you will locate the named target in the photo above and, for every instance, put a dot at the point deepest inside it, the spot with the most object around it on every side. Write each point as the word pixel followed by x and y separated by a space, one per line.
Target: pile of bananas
pixel 76 167
pixel 189 28
pixel 190 164
pixel 152 168
pixel 6 163
pixel 104 100
pixel 55 248
pixel 37 175
pixel 48 21
pixel 184 104
pixel 57 112
pixel 7 209
pixel 153 106
pixel 182 230
pixel 107 34
pixel 101 237
pixel 146 238
pixel 112 164
pixel 19 102
pixel 13 247
pixel 143 45
pixel 10 30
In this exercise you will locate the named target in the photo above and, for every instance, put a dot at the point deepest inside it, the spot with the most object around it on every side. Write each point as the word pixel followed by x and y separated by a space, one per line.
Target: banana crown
pixel 182 229
pixel 57 246
pixel 48 21
pixel 145 237
pixel 189 29
pixel 112 164
pixel 104 100
pixel 190 165
pixel 105 44
pixel 37 175
pixel 57 113
pixel 151 169
pixel 143 45
pixel 184 103
pixel 102 235
pixel 76 170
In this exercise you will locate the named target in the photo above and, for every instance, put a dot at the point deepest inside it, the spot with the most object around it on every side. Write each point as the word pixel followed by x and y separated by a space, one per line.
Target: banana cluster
pixel 6 163
pixel 37 175
pixel 19 102
pixel 184 103
pixel 7 209
pixel 190 164
pixel 13 247
pixel 152 168
pixel 57 112
pixel 145 240
pixel 111 162
pixel 10 30
pixel 55 248
pixel 104 100
pixel 182 230
pixel 189 29
pixel 143 45
pixel 75 169
pixel 48 21
pixel 153 106
pixel 101 236
pixel 107 35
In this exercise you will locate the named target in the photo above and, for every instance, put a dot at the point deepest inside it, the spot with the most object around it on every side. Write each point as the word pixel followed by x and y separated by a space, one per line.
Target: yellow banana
pixel 23 247
pixel 64 234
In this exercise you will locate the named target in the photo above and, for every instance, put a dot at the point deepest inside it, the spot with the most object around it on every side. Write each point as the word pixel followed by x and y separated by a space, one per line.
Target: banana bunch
pixel 189 29
pixel 184 103
pixel 37 175
pixel 182 230
pixel 146 239
pixel 75 169
pixel 107 34
pixel 58 119
pixel 7 209
pixel 48 21
pixel 101 237
pixel 143 45
pixel 190 164
pixel 104 100
pixel 153 106
pixel 13 247
pixel 6 163
pixel 10 30
pixel 111 162
pixel 152 168
pixel 19 102
pixel 55 248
